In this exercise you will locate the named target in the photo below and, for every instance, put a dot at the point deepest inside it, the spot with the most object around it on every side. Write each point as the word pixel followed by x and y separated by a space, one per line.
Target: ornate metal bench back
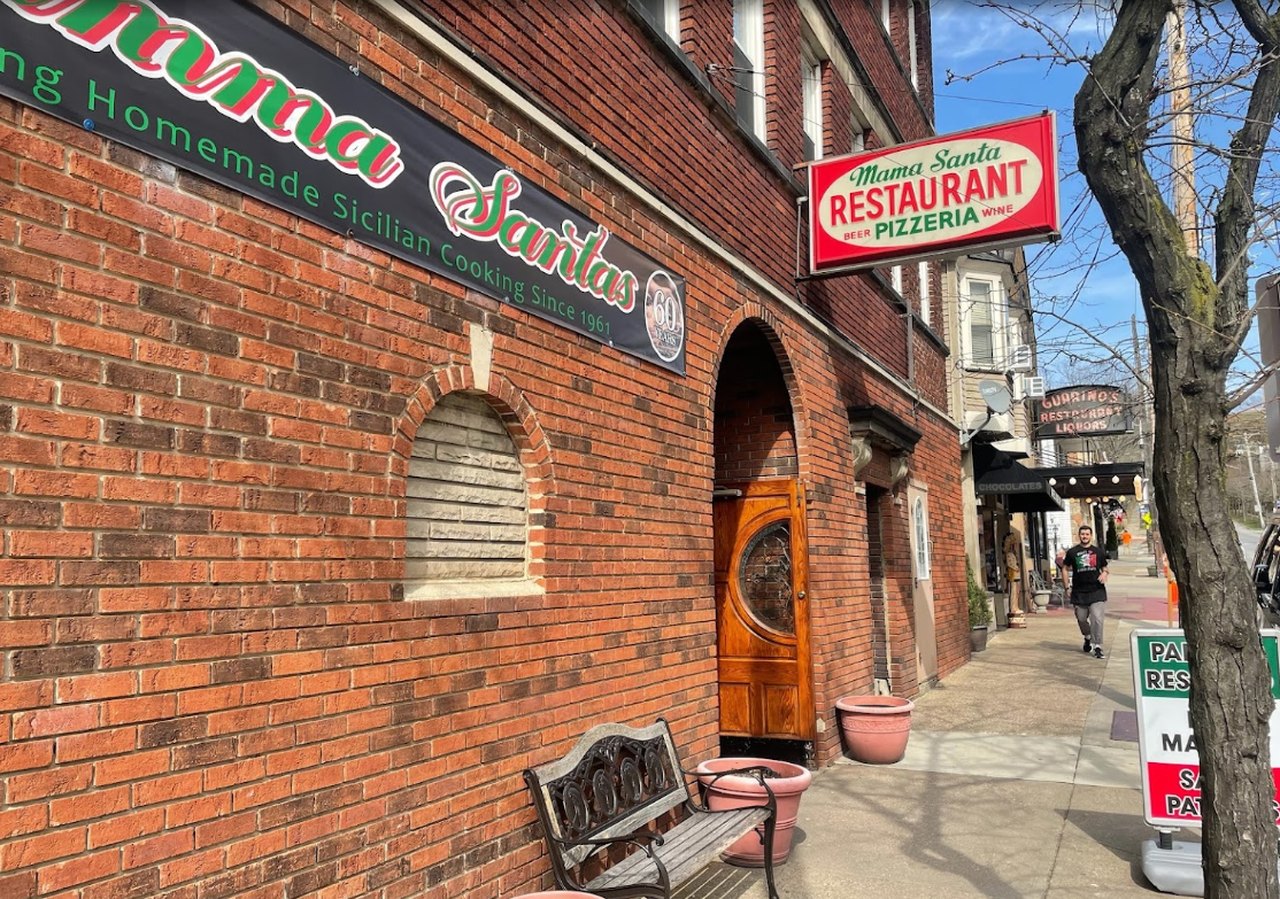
pixel 615 780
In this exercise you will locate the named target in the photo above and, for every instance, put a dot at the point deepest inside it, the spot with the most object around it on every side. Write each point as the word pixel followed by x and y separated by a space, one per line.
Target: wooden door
pixel 762 613
pixel 926 637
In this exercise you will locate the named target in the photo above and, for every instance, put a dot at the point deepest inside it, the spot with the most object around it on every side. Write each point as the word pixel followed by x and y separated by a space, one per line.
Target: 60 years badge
pixel 664 316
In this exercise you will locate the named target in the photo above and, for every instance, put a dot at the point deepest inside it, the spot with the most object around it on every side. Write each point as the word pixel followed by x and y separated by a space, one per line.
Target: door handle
pixel 800 595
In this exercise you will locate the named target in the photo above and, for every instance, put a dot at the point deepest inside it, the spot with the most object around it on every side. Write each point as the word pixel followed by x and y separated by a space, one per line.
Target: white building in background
pixel 1057 525
pixel 994 358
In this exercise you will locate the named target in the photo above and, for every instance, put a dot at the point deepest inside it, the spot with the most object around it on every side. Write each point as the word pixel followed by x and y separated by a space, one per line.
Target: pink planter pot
pixel 875 728
pixel 734 791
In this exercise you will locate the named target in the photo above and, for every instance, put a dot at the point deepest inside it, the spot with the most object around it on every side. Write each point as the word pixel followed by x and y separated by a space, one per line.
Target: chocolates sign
pixel 227 92
pixel 984 188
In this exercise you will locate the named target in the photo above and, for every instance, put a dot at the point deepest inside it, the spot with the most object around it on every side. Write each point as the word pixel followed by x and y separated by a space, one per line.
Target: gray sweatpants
pixel 1090 618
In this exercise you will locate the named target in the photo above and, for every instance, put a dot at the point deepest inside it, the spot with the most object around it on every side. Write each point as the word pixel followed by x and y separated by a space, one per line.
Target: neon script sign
pixel 156 46
pixel 484 213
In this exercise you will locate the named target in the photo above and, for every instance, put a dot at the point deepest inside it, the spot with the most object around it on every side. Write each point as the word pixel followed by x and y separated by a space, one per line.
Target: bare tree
pixel 1198 313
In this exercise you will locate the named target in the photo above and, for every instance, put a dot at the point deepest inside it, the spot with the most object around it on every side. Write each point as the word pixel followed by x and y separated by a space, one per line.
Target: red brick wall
pixel 212 684
pixel 754 432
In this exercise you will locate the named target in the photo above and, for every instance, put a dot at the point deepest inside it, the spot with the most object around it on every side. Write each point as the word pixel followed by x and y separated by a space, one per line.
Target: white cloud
pixel 986 31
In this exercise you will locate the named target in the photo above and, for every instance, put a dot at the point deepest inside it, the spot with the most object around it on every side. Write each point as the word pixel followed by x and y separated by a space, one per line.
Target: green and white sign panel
pixel 1170 760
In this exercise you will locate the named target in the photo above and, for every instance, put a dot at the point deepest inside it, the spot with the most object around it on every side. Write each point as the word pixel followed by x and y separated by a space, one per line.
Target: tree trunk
pixel 1192 323
pixel 1230 683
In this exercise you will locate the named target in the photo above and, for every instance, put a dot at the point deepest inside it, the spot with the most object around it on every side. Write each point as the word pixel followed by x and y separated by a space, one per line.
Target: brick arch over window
pixel 475 473
pixel 752 314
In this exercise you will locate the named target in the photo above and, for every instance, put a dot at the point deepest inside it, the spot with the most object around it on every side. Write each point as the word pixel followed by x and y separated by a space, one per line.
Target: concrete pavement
pixel 1021 779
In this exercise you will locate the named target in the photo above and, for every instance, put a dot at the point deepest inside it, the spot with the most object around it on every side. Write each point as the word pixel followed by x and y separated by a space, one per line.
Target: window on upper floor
pixel 861 129
pixel 811 74
pixel 886 16
pixel 925 308
pixel 895 275
pixel 665 15
pixel 748 64
pixel 982 311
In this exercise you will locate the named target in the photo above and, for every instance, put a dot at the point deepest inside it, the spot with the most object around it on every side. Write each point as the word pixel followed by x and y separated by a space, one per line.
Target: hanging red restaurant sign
pixel 989 187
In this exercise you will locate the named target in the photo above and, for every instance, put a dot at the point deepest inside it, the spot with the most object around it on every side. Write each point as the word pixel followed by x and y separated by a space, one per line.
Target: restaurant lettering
pixel 1082 411
pixel 234 84
pixel 902 209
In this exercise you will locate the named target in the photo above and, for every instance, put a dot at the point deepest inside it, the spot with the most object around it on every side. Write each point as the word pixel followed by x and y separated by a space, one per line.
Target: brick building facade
pixel 309 550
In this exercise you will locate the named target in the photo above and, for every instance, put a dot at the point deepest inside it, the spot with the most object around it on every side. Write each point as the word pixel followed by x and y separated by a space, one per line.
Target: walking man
pixel 1086 570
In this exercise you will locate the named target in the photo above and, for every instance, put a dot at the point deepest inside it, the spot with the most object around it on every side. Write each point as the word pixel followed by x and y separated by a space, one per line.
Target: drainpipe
pixel 908 318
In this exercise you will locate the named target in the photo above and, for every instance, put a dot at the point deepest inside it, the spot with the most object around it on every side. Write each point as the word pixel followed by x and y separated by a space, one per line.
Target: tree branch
pixel 1112 123
pixel 1250 387
pixel 1234 217
pixel 1262 27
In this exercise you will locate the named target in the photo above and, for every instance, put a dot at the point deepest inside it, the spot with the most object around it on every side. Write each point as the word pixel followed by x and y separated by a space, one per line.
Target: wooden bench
pixel 608 792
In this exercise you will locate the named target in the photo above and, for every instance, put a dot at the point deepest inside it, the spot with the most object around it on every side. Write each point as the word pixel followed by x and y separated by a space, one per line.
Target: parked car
pixel 1266 574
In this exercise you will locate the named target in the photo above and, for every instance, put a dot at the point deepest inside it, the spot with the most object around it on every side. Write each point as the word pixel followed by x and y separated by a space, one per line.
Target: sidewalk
pixel 1021 779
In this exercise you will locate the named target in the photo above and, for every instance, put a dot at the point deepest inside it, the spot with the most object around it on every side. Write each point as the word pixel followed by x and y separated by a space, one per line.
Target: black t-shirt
pixel 1085 564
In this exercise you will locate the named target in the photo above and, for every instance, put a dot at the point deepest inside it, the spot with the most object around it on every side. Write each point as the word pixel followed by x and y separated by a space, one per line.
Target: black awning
pixel 997 473
pixel 1099 479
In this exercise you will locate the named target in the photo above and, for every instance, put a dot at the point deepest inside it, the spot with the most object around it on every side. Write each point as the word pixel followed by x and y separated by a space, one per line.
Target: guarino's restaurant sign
pixel 223 90
pixel 989 187
pixel 1084 411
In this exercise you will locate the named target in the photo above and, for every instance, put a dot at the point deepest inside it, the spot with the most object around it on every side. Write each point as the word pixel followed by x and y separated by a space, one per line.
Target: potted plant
pixel 979 611
pixel 785 780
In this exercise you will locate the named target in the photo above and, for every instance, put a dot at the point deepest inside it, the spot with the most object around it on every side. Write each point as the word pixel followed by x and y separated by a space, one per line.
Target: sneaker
pixel 1088 645
pixel 1097 652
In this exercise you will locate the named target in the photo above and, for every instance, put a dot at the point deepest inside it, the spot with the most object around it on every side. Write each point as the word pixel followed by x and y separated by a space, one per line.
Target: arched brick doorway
pixel 761 552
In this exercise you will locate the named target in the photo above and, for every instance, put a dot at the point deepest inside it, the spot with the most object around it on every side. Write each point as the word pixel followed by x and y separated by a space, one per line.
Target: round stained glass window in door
pixel 764 577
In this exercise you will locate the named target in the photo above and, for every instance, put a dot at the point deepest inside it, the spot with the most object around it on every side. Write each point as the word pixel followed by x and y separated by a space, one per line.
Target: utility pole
pixel 1183 163
pixel 1271 469
pixel 1183 156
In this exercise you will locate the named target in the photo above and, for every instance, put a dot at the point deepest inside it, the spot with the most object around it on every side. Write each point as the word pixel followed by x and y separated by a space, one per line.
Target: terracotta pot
pixel 735 790
pixel 875 728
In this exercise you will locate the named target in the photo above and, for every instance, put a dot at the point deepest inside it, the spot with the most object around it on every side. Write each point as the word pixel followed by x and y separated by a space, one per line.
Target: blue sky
pixel 988 67
pixel 999 72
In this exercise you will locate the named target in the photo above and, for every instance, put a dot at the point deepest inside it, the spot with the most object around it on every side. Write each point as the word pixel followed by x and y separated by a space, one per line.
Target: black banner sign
pixel 1085 411
pixel 222 90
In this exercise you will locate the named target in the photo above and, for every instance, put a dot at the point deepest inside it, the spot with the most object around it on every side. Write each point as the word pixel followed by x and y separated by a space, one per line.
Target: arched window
pixel 468 506
pixel 920 523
